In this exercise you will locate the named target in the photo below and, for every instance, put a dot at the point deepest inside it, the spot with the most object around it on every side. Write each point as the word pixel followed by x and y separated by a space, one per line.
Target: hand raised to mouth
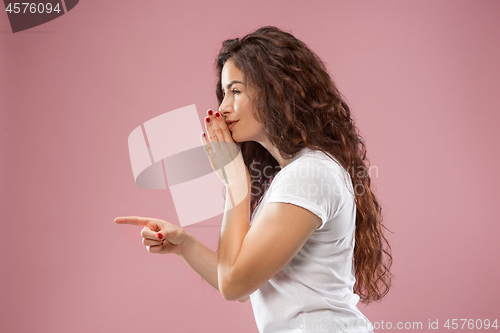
pixel 225 156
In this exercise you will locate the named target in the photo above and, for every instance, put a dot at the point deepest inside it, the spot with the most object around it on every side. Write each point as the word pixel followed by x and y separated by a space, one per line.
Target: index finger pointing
pixel 133 220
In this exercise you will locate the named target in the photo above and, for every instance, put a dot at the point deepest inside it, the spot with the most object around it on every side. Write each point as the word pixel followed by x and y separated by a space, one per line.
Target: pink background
pixel 421 77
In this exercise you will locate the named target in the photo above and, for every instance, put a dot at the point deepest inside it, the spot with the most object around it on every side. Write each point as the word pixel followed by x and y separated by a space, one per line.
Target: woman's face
pixel 236 107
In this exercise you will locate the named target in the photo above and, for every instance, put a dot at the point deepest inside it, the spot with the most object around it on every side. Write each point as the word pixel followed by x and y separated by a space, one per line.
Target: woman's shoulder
pixel 310 170
pixel 316 181
pixel 316 161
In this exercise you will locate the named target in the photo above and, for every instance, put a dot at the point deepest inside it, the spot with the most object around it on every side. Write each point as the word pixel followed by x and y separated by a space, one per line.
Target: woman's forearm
pixel 235 225
pixel 201 259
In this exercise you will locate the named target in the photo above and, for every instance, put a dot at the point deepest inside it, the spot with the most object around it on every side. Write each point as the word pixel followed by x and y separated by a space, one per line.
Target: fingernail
pixel 217 114
pixel 160 236
pixel 210 112
pixel 204 135
pixel 207 119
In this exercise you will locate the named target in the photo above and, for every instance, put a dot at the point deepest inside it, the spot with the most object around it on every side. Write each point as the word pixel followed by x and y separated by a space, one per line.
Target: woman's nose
pixel 224 107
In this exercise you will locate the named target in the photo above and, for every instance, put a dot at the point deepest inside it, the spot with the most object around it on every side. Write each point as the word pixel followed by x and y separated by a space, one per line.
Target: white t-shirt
pixel 314 292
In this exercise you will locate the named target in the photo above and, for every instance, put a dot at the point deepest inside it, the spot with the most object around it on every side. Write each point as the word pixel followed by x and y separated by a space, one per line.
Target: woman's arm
pixel 248 257
pixel 202 260
pixel 162 237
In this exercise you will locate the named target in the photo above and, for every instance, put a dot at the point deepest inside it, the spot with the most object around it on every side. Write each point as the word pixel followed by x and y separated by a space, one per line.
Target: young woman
pixel 302 233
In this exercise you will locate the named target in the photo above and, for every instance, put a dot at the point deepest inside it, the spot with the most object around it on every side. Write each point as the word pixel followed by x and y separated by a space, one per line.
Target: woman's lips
pixel 232 124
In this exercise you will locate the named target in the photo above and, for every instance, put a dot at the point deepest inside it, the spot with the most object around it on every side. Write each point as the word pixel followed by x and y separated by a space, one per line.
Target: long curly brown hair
pixel 300 106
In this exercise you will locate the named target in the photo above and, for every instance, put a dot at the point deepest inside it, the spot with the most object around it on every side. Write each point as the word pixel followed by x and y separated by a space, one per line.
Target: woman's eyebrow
pixel 233 82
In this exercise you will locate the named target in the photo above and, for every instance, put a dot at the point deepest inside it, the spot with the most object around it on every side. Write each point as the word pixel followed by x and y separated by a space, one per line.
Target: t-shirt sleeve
pixel 312 184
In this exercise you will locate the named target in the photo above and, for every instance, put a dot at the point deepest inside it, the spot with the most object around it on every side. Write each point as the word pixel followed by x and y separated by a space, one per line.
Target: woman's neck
pixel 274 151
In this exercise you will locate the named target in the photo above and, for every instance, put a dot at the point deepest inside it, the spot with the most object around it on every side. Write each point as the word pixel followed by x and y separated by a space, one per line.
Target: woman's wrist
pixel 186 244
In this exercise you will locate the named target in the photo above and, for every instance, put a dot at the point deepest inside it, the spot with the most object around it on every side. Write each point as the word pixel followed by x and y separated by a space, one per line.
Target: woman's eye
pixel 236 91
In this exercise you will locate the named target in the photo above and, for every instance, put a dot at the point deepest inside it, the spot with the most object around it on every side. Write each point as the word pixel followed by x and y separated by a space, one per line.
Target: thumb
pixel 172 235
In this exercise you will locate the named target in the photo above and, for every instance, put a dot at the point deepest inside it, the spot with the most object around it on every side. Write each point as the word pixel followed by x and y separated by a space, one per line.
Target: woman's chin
pixel 240 139
pixel 235 137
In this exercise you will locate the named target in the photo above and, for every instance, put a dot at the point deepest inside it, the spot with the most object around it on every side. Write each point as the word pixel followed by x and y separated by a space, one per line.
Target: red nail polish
pixel 204 135
pixel 207 119
pixel 210 112
pixel 217 114
pixel 160 236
